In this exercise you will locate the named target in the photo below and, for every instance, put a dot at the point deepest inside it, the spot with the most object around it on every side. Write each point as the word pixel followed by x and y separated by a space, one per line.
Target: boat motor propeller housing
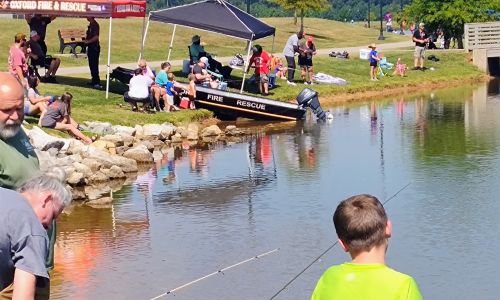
pixel 309 98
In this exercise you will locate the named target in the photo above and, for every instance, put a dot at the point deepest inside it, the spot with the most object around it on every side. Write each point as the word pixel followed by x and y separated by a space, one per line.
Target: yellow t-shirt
pixel 365 282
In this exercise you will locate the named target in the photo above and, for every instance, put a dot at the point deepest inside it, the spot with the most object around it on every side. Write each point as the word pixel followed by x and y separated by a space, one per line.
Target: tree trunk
pixel 248 6
pixel 460 42
pixel 302 20
pixel 295 17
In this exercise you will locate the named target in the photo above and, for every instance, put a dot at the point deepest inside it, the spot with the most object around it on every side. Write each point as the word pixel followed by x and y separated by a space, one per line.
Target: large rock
pixel 116 139
pixel 140 154
pixel 157 155
pixel 44 159
pixel 177 138
pixel 100 128
pixel 232 130
pixel 212 130
pixel 98 177
pixel 114 172
pixel 193 127
pixel 40 139
pixel 93 164
pixel 85 170
pixel 182 131
pixel 168 130
pixel 139 131
pixel 152 130
pixel 76 146
pixel 118 129
pixel 148 144
pixel 104 145
pixel 128 140
pixel 76 179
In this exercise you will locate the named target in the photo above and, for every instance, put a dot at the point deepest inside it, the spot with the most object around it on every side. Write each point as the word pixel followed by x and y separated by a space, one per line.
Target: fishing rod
pixel 328 249
pixel 215 273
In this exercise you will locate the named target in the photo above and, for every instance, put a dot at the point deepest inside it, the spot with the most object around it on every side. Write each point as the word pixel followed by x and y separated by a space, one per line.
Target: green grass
pixel 90 105
pixel 127 38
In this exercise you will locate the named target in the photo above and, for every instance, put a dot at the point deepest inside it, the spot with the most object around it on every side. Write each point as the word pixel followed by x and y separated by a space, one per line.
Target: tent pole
pixel 142 37
pixel 171 43
pixel 141 55
pixel 246 66
pixel 272 47
pixel 109 57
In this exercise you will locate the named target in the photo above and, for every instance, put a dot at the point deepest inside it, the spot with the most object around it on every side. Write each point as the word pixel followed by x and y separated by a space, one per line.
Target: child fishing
pixel 374 59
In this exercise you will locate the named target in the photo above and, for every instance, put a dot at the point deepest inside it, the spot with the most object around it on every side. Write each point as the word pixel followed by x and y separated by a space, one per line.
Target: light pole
pixel 381 36
pixel 369 2
pixel 401 22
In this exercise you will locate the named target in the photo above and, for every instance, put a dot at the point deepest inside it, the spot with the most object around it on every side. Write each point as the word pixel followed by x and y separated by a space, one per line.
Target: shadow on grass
pixel 115 87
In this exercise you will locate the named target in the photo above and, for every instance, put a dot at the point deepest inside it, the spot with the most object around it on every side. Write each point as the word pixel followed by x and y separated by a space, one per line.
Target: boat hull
pixel 230 106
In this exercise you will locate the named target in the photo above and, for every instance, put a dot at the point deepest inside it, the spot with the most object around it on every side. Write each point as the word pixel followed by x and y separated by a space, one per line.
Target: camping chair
pixel 33 68
pixel 384 66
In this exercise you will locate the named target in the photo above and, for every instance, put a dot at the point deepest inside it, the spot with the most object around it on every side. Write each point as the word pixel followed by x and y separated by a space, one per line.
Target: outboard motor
pixel 309 98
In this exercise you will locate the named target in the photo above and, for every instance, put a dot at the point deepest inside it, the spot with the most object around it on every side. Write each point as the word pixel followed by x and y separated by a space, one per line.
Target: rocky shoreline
pixel 95 171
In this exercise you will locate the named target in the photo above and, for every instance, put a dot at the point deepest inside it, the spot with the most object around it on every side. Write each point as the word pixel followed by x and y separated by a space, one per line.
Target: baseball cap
pixel 421 25
pixel 205 61
pixel 33 33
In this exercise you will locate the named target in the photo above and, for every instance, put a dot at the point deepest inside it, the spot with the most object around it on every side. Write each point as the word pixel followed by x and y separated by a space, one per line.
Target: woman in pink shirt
pixel 17 58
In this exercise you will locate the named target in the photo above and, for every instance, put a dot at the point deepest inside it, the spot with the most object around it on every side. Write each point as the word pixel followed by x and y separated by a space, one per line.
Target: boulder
pixel 148 144
pixel 157 144
pixel 212 130
pixel 93 164
pixel 58 145
pixel 103 145
pixel 193 127
pixel 139 131
pixel 52 152
pixel 78 193
pixel 177 138
pixel 182 131
pixel 76 146
pixel 76 179
pixel 97 177
pixel 140 154
pixel 128 140
pixel 232 130
pixel 100 128
pixel 192 136
pixel 152 130
pixel 102 201
pixel 40 139
pixel 119 129
pixel 85 170
pixel 168 130
pixel 157 155
pixel 125 164
pixel 116 139
pixel 114 172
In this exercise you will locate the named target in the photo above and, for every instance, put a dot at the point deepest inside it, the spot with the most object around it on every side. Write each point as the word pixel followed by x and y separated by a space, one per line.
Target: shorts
pixel 419 52
pixel 373 64
pixel 304 61
pixel 264 78
pixel 26 108
pixel 43 63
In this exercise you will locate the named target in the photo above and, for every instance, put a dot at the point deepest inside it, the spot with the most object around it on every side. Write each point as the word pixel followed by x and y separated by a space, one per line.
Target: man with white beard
pixel 18 160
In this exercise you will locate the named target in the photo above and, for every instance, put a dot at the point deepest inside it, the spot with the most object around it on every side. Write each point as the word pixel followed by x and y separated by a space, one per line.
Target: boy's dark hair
pixel 360 222
pixel 164 65
pixel 137 71
pixel 32 81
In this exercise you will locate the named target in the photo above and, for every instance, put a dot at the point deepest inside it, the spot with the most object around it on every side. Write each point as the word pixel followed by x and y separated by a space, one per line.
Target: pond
pixel 200 210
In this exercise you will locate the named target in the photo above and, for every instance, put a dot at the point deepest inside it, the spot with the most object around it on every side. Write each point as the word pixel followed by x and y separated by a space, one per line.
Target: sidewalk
pixel 353 51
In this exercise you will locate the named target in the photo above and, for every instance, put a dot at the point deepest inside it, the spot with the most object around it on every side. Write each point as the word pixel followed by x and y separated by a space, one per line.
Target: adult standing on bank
pixel 18 65
pixel 93 51
pixel 420 38
pixel 18 159
pixel 292 47
pixel 39 24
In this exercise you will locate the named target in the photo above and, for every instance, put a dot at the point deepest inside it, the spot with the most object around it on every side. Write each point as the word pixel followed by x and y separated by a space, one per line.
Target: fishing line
pixel 215 273
pixel 329 248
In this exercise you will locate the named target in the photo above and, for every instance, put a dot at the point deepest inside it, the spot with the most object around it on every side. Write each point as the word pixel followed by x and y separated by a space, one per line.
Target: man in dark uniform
pixel 420 38
pixel 93 51
pixel 39 24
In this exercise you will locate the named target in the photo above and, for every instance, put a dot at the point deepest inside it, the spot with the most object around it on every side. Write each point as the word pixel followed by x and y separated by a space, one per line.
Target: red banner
pixel 76 8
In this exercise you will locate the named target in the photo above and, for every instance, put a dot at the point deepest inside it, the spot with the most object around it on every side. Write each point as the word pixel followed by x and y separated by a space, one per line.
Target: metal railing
pixel 482 35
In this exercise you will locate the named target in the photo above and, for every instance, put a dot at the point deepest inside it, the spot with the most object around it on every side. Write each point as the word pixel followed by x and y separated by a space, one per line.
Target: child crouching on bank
pixel 364 230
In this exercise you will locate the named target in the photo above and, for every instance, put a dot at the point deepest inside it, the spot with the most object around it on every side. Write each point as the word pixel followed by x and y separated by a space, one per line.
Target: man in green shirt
pixel 363 230
pixel 18 160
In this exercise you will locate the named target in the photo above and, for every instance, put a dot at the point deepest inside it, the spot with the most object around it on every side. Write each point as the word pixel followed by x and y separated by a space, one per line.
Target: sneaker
pixel 97 86
pixel 310 83
pixel 306 82
pixel 416 68
pixel 291 82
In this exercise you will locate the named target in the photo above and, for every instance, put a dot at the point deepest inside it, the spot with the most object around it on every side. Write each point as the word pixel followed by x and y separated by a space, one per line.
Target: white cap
pixel 33 33
pixel 205 61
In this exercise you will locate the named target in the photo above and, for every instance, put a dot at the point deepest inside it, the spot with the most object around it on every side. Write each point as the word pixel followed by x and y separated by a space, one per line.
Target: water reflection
pixel 201 208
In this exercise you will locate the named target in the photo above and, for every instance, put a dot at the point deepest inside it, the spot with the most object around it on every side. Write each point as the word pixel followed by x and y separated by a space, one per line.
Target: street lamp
pixel 369 2
pixel 401 21
pixel 381 36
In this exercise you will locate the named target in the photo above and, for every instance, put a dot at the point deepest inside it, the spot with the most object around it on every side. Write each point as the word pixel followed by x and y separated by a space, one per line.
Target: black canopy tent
pixel 216 16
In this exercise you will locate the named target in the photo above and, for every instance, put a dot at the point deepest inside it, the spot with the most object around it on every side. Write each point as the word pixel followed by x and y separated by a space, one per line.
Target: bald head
pixel 11 105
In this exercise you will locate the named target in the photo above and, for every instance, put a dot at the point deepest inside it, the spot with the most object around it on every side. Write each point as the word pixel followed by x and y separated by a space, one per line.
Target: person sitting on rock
pixel 35 104
pixel 58 116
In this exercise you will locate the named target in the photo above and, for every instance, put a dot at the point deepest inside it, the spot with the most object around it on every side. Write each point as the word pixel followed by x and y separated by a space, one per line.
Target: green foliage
pixel 450 15
pixel 303 6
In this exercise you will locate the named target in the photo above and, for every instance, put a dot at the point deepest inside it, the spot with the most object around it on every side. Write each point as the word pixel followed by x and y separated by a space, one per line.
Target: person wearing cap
pixel 374 59
pixel 261 60
pixel 39 24
pixel 38 58
pixel 18 65
pixel 197 51
pixel 201 74
pixel 292 47
pixel 93 51
pixel 305 60
pixel 420 38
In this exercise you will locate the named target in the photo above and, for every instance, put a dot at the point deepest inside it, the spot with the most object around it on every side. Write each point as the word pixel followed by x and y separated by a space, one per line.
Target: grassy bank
pixel 453 67
pixel 127 38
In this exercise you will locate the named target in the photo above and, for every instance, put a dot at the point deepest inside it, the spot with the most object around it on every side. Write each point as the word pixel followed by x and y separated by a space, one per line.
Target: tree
pixel 450 15
pixel 303 6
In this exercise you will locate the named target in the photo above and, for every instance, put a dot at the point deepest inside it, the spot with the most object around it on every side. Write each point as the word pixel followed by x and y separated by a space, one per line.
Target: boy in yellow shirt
pixel 364 230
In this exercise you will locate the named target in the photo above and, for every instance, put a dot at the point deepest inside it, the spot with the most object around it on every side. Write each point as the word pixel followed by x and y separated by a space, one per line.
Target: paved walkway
pixel 178 63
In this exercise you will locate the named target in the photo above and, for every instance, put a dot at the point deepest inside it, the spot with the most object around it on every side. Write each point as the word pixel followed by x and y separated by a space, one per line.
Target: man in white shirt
pixel 139 88
pixel 292 47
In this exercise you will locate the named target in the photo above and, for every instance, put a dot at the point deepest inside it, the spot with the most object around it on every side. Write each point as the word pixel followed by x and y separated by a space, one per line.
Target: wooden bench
pixel 71 38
